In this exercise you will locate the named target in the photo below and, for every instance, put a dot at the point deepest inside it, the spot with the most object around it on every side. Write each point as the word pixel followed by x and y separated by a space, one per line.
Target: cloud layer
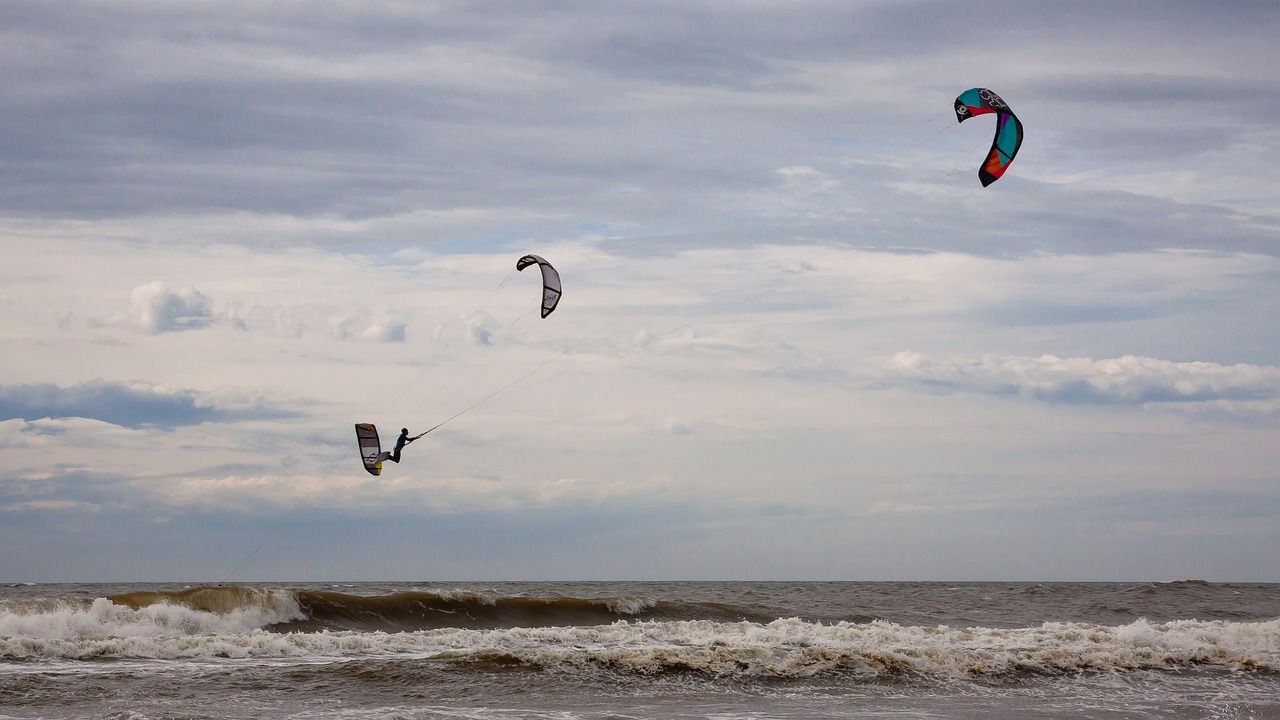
pixel 793 322
pixel 1126 380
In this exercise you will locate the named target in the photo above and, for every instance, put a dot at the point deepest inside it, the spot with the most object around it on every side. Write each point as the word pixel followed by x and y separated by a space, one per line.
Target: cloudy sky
pixel 798 339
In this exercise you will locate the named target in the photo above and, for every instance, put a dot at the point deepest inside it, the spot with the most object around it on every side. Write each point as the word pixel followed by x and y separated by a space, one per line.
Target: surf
pixel 784 648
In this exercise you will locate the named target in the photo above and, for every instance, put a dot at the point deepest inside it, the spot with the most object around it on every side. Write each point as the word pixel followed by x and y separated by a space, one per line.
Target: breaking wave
pixel 198 611
pixel 233 609
pixel 468 630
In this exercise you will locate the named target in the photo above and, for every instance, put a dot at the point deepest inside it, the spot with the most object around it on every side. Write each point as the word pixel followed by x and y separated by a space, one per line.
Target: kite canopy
pixel 550 281
pixel 981 101
pixel 370 447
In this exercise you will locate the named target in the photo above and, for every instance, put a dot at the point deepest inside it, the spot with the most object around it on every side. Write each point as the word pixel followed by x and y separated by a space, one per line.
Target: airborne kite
pixel 370 447
pixel 981 101
pixel 550 281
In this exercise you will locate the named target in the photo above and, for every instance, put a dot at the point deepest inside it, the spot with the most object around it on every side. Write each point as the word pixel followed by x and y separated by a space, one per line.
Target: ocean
pixel 630 650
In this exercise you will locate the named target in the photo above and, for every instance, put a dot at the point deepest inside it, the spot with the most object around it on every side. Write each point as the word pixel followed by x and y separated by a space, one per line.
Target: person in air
pixel 401 441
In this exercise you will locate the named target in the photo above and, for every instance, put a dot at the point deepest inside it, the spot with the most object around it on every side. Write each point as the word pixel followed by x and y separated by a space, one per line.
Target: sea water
pixel 623 650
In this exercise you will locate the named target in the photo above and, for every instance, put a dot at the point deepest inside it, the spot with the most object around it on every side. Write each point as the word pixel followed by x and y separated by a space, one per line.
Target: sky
pixel 798 339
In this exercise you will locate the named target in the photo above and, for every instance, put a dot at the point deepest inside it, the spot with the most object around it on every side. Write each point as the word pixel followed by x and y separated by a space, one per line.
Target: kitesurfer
pixel 401 441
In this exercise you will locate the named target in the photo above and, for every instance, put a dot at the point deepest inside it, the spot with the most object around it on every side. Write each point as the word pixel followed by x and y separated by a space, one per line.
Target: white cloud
pixel 1126 380
pixel 156 308
pixel 377 326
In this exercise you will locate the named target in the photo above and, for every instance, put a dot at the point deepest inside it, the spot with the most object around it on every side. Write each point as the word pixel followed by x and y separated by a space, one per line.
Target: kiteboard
pixel 370 447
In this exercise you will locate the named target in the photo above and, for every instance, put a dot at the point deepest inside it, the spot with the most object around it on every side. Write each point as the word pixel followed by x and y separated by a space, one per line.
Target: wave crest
pixel 200 611
pixel 788 648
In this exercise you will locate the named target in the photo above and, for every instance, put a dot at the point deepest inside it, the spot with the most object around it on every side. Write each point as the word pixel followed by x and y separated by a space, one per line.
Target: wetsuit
pixel 400 443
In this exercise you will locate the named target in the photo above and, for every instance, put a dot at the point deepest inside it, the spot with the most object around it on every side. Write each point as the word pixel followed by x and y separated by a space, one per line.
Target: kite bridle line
pixel 795 212
pixel 611 326
pixel 279 525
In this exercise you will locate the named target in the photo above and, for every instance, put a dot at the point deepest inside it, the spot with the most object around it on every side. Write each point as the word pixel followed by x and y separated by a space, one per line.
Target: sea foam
pixel 103 617
pixel 783 648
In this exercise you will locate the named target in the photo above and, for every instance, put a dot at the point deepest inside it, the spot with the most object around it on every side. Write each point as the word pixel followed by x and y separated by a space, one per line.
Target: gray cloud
pixel 112 110
pixel 131 405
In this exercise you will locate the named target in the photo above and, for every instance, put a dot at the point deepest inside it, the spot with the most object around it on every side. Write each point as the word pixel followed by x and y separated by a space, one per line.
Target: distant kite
pixel 981 101
pixel 550 281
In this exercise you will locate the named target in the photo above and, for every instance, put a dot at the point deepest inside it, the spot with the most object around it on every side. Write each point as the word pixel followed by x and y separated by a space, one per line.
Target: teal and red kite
pixel 981 101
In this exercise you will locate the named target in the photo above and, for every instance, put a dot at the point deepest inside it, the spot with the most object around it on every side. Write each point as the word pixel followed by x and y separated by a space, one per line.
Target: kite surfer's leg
pixel 395 456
